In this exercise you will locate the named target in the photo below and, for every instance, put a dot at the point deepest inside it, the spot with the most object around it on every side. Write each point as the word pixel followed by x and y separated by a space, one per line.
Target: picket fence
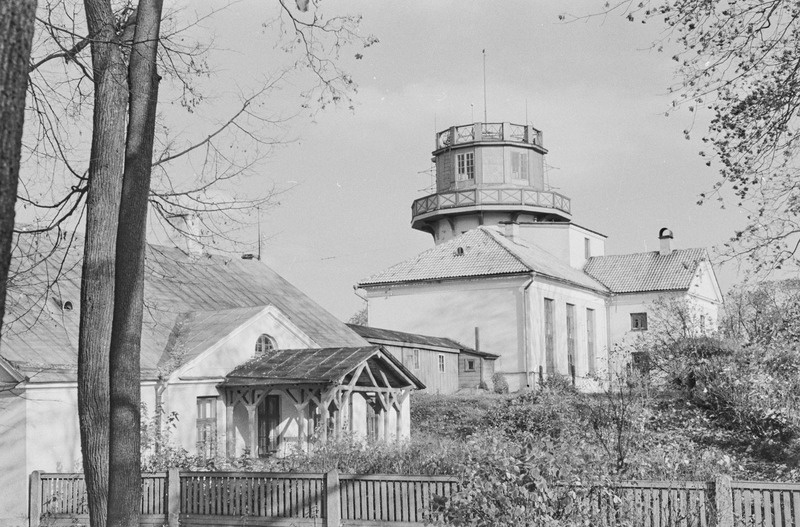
pixel 332 499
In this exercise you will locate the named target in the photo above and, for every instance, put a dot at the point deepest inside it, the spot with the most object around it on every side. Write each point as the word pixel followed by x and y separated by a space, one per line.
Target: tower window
pixel 264 344
pixel 519 165
pixel 465 166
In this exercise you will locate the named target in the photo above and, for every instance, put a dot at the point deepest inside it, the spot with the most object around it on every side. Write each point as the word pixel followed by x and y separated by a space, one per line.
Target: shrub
pixel 499 382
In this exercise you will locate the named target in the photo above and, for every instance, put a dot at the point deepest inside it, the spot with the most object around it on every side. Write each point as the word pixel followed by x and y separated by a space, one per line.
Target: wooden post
pixel 723 500
pixel 333 508
pixel 35 499
pixel 381 432
pixel 323 414
pixel 230 433
pixel 253 431
pixel 173 497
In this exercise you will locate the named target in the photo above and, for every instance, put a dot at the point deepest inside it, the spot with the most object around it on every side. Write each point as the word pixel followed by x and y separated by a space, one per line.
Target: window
pixel 207 427
pixel 587 248
pixel 549 334
pixel 465 166
pixel 441 363
pixel 264 344
pixel 590 338
pixel 269 417
pixel 415 358
pixel 638 321
pixel 469 365
pixel 519 165
pixel 571 330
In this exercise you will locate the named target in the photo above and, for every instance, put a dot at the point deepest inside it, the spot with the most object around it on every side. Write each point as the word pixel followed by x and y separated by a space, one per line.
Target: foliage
pixel 451 416
pixel 739 62
pixel 158 451
pixel 360 317
pixel 499 382
pixel 761 313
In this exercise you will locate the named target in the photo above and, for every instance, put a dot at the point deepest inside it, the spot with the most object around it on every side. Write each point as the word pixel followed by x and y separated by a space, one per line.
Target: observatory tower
pixel 487 174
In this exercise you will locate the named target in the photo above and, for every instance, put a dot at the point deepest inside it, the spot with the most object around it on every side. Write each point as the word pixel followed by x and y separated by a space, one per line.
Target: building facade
pixel 509 260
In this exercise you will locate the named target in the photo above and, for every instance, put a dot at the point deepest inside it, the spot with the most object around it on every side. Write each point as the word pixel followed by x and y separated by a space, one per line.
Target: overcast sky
pixel 594 87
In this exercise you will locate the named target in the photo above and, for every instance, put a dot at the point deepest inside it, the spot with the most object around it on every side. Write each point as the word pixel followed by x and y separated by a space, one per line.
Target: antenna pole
pixel 526 112
pixel 485 119
pixel 258 209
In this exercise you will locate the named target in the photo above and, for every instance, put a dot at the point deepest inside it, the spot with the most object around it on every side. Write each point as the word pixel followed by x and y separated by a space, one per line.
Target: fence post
pixel 35 499
pixel 173 497
pixel 333 508
pixel 723 500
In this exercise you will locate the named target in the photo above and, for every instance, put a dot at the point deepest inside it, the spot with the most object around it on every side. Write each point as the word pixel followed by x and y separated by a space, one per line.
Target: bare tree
pixel 16 35
pixel 126 47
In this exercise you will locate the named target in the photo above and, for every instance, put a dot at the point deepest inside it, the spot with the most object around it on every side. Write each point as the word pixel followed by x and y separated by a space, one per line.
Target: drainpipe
pixel 525 332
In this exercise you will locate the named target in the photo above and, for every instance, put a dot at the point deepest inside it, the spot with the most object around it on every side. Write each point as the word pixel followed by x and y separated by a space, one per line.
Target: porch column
pixel 323 415
pixel 381 421
pixel 387 423
pixel 251 417
pixel 230 429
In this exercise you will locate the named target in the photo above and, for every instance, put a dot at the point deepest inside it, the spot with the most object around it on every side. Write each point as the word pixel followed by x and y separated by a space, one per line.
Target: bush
pixel 500 384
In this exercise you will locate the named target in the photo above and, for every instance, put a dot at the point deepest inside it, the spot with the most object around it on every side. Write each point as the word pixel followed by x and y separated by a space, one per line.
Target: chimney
pixel 665 237
pixel 186 230
pixel 512 230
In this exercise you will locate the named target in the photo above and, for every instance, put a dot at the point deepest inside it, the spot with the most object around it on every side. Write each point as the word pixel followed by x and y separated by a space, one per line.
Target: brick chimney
pixel 512 231
pixel 665 237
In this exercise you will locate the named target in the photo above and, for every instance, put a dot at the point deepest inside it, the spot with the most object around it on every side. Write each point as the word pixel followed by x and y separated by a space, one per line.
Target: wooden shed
pixel 443 364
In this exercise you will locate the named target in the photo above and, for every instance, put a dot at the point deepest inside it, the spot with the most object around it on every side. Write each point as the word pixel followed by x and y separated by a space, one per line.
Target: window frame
pixel 549 335
pixel 415 358
pixel 469 365
pixel 206 426
pixel 261 349
pixel 522 172
pixel 572 330
pixel 465 166
pixel 441 363
pixel 639 321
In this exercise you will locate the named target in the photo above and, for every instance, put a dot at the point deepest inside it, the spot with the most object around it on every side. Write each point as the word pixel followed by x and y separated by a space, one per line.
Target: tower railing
pixel 490 196
pixel 489 132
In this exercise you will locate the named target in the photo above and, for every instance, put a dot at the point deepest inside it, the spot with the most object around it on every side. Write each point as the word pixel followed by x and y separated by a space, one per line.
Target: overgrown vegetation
pixel 698 404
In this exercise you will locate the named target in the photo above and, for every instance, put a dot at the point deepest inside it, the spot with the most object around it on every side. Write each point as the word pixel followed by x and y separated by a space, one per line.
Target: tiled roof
pixel 650 271
pixel 370 334
pixel 316 365
pixel 481 256
pixel 189 301
pixel 484 252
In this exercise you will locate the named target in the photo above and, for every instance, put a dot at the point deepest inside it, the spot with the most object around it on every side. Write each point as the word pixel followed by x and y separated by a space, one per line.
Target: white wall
pixel 453 309
pixel 564 240
pixel 14 470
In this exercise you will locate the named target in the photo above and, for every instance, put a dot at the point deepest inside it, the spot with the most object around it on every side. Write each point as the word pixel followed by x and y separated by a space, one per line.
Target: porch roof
pixel 317 366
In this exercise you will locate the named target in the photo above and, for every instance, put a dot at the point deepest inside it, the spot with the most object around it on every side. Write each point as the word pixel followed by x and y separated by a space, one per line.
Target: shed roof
pixel 390 335
pixel 650 271
pixel 484 251
pixel 190 300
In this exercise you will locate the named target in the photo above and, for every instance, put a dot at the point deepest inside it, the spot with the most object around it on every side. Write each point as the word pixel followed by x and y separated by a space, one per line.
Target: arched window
pixel 264 344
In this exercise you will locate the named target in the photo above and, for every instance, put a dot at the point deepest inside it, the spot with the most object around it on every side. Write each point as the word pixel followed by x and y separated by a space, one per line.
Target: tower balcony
pixel 504 198
pixel 489 133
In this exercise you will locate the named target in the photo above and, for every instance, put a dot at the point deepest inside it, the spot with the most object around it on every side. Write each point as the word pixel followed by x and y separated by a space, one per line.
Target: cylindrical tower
pixel 487 173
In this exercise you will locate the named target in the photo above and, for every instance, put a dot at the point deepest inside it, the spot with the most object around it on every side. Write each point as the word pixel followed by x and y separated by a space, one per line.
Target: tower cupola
pixel 487 174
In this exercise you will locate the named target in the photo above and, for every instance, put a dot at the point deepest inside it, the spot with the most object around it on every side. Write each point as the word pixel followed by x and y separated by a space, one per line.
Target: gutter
pixel 525 332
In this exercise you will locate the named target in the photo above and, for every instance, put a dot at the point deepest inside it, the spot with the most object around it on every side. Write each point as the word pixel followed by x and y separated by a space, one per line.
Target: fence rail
pixel 329 499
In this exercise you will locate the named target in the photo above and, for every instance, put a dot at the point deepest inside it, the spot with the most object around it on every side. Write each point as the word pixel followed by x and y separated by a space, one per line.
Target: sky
pixel 596 88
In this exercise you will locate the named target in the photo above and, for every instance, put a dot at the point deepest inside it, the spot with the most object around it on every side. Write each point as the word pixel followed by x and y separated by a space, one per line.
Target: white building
pixel 246 360
pixel 509 260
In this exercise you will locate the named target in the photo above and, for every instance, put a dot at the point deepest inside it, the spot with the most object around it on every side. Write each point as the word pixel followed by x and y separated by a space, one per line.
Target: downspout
pixel 609 302
pixel 525 333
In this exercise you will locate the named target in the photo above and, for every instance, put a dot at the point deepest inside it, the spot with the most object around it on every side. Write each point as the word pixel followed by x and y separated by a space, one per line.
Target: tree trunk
pixel 16 35
pixel 97 283
pixel 124 492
